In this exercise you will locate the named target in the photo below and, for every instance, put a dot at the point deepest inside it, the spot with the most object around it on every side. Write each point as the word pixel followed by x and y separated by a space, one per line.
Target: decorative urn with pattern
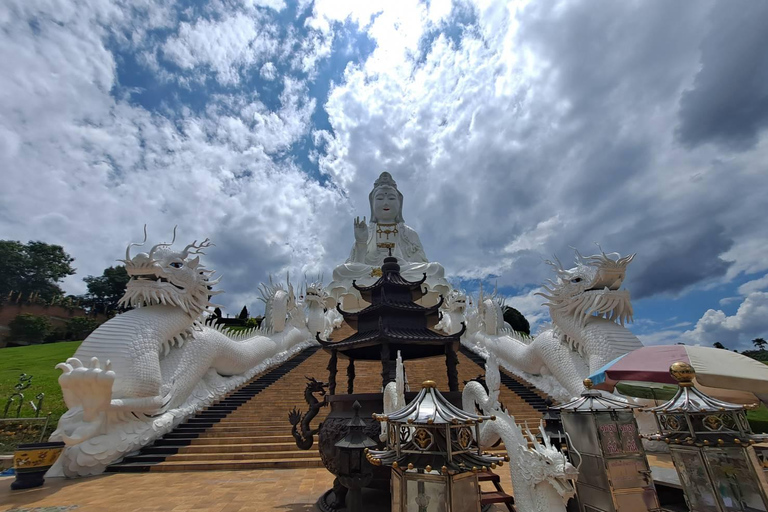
pixel 434 456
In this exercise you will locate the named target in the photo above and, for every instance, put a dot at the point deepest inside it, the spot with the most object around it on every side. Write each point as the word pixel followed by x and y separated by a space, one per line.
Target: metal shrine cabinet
pixel 614 475
pixel 711 444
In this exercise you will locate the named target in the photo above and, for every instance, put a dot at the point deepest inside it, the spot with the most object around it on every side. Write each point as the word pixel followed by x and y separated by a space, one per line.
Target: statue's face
pixel 386 204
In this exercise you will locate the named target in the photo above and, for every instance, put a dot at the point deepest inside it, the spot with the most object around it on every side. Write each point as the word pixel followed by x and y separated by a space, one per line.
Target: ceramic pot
pixel 31 461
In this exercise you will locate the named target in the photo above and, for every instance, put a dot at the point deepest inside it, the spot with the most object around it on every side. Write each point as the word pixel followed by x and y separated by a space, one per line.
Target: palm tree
pixel 759 343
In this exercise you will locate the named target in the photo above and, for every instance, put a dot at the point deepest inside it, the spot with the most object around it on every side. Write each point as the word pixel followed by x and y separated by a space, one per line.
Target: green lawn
pixel 38 361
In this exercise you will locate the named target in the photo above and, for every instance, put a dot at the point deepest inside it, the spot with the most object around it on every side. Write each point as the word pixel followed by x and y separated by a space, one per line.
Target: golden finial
pixel 587 383
pixel 394 464
pixel 428 469
pixel 444 470
pixel 429 384
pixel 410 465
pixel 683 373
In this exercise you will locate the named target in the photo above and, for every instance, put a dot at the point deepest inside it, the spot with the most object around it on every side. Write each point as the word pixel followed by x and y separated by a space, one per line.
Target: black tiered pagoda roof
pixel 393 323
pixel 393 318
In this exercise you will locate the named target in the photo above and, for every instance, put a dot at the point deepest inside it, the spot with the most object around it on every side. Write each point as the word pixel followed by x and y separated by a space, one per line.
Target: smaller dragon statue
pixel 306 438
pixel 322 316
pixel 453 312
pixel 280 308
pixel 541 474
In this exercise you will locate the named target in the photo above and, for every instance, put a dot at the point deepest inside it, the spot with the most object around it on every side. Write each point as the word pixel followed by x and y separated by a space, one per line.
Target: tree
pixel 35 267
pixel 32 328
pixel 759 343
pixel 516 319
pixel 717 344
pixel 105 291
pixel 243 314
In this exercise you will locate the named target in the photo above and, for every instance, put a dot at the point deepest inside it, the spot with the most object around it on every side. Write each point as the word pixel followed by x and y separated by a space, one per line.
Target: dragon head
pixel 547 463
pixel 169 277
pixel 490 309
pixel 591 288
pixel 315 386
pixel 456 302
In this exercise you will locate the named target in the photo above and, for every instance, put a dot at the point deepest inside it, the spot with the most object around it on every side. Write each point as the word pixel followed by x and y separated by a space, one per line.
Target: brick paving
pixel 286 490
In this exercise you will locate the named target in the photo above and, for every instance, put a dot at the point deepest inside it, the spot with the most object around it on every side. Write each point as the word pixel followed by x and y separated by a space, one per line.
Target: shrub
pixel 32 328
pixel 80 327
pixel 253 322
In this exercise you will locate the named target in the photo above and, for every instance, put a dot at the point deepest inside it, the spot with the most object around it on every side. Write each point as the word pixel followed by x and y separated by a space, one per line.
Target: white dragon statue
pixel 588 311
pixel 322 316
pixel 541 474
pixel 143 372
pixel 453 312
pixel 394 394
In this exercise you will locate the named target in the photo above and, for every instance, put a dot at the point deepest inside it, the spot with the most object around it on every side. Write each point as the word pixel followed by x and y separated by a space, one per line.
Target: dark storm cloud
pixel 682 258
pixel 728 103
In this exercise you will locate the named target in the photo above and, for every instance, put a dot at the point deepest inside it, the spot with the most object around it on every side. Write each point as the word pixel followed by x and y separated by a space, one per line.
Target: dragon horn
pixel 128 249
pixel 164 244
pixel 544 434
pixel 530 434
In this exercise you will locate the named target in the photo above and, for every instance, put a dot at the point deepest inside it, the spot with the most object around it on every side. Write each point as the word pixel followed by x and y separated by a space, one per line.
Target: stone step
pixel 249 429
pixel 217 466
pixel 223 457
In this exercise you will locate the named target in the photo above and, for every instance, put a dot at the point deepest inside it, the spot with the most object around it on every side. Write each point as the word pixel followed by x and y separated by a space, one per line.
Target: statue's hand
pixel 361 230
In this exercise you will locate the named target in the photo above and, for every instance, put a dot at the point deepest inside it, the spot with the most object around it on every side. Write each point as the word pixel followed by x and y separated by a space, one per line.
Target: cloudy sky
pixel 513 130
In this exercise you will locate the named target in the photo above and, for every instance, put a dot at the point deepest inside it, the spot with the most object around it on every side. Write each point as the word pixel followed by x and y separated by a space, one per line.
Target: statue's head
pixel 386 201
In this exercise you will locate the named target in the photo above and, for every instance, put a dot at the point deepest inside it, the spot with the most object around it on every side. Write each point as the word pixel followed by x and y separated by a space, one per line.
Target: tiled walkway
pixel 285 490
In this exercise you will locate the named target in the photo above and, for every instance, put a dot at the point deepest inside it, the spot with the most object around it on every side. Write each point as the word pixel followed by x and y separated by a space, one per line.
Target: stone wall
pixel 57 315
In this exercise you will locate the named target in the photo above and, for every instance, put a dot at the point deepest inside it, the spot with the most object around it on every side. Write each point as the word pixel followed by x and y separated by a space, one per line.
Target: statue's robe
pixel 365 260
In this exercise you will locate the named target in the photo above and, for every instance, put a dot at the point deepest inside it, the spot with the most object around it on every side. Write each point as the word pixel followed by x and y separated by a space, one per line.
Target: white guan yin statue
pixel 143 372
pixel 385 232
pixel 588 311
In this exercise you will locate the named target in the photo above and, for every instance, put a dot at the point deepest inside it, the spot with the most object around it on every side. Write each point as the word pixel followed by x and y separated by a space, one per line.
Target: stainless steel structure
pixel 434 457
pixel 602 435
pixel 711 446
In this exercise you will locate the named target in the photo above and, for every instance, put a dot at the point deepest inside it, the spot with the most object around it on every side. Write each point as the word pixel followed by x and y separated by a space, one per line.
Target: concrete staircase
pixel 249 428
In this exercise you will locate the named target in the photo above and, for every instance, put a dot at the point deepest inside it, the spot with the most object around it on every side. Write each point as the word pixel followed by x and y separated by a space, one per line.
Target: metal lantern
pixel 354 472
pixel 435 459
pixel 613 470
pixel 710 442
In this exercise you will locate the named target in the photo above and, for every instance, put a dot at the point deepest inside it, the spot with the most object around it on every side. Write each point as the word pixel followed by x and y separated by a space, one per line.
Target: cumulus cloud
pixel 228 47
pixel 514 132
pixel 268 71
pixel 734 331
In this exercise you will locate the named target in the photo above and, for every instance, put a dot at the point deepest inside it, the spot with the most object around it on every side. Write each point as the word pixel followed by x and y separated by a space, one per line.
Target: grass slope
pixel 38 361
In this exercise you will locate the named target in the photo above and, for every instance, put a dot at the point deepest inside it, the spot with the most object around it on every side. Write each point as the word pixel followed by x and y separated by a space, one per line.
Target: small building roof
pixel 592 400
